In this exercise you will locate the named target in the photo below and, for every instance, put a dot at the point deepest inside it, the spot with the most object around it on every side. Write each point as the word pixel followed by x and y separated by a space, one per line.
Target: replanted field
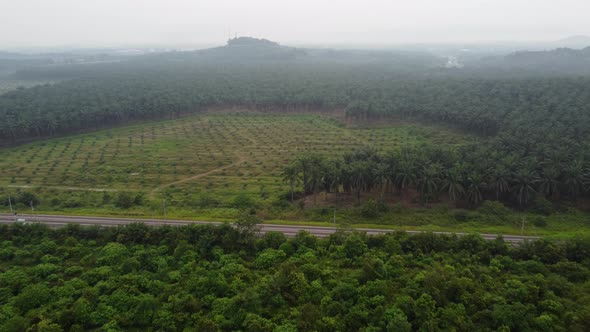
pixel 210 159
pixel 213 165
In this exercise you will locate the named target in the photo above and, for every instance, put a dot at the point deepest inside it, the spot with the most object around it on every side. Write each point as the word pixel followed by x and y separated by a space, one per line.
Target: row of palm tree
pixel 459 175
pixel 541 107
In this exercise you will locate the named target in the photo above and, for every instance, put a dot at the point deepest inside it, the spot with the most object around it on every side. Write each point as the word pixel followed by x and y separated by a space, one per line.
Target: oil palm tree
pixel 573 178
pixel 452 183
pixel 405 175
pixel 548 182
pixel 428 182
pixel 523 185
pixel 499 180
pixel 360 176
pixel 292 175
pixel 475 185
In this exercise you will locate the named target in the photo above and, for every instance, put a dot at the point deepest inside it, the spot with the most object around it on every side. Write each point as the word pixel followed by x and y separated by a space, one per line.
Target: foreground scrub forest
pixel 209 278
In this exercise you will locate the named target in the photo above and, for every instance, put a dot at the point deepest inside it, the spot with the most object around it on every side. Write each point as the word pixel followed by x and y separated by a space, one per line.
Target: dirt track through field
pixel 198 176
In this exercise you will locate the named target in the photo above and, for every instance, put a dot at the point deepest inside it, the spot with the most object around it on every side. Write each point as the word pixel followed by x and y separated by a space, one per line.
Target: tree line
pixel 551 110
pixel 469 174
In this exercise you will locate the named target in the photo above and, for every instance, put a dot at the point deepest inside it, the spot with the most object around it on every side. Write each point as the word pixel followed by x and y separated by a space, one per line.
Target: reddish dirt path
pixel 198 176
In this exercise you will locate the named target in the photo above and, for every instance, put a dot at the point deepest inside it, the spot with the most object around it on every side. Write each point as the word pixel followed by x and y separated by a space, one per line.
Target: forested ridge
pixel 209 278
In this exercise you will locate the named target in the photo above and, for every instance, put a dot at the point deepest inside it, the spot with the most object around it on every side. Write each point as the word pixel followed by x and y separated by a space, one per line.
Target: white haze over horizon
pixel 35 23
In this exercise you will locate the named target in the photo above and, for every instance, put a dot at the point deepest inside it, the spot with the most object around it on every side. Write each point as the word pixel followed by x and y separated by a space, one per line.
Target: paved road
pixel 55 221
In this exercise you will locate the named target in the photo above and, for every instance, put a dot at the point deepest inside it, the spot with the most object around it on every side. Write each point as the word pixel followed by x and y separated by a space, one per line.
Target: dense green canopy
pixel 217 278
pixel 549 110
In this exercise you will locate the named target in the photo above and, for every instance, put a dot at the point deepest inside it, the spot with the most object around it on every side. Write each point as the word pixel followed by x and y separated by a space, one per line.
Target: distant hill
pixel 559 54
pixel 580 41
pixel 561 59
pixel 241 52
pixel 251 42
pixel 244 50
pixel 556 61
pixel 250 49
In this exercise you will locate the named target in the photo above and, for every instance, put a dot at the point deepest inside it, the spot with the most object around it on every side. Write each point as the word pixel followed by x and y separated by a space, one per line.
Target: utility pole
pixel 32 210
pixel 10 204
pixel 334 217
pixel 164 204
pixel 522 226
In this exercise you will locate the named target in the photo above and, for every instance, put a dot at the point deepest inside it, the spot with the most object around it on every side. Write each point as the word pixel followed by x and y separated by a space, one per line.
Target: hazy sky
pixel 111 22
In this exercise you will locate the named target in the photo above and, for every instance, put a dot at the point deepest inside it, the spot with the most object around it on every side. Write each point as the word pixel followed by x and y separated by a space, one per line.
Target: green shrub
pixel 139 199
pixel 207 201
pixel 25 198
pixel 106 197
pixel 542 206
pixel 124 200
pixel 280 203
pixel 461 215
pixel 72 203
pixel 372 209
pixel 540 222
pixel 301 205
pixel 398 208
pixel 494 208
pixel 243 201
